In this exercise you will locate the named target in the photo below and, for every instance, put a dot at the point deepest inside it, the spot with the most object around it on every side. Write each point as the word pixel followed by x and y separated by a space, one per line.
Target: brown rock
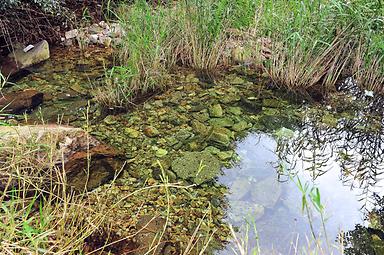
pixel 50 149
pixel 149 232
pixel 17 102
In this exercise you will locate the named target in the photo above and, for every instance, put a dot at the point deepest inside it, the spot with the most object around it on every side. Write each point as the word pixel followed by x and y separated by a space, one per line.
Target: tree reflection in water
pixel 353 143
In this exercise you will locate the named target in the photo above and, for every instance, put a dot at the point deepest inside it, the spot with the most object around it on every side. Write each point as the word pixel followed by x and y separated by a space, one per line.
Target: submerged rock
pixel 17 102
pixel 147 239
pixel 240 126
pixel 221 122
pixel 87 162
pixel 197 166
pixel 266 192
pixel 151 131
pixel 220 137
pixel 243 210
pixel 253 105
pixel 216 111
pixel 240 188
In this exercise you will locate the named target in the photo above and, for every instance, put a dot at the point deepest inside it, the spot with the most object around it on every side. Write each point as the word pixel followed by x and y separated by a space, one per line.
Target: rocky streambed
pixel 176 145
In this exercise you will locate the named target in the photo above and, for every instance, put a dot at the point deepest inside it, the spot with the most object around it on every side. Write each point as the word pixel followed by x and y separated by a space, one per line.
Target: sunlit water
pixel 276 212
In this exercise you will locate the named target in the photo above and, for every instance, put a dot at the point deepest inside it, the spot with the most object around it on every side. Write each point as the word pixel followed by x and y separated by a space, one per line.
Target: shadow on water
pixel 341 156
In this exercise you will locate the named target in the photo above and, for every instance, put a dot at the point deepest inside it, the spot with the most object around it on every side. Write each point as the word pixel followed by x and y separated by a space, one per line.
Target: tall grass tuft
pixel 317 40
pixel 141 56
pixel 158 40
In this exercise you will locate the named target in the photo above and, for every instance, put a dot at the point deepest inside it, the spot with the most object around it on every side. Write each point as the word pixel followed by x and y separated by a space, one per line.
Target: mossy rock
pixel 198 167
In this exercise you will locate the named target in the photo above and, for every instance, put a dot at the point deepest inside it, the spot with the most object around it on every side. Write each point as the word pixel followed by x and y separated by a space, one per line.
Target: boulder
pixel 20 101
pixel 19 59
pixel 50 149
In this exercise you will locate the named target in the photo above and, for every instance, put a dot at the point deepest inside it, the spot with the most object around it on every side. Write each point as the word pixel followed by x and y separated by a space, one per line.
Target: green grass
pixel 322 35
pixel 315 43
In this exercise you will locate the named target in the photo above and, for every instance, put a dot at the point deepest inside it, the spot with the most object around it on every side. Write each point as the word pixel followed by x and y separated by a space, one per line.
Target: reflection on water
pixel 345 162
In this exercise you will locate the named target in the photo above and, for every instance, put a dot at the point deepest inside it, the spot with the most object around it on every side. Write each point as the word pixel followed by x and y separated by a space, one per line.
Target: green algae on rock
pixel 197 166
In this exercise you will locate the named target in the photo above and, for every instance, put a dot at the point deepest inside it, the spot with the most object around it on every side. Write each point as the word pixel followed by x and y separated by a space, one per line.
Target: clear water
pixel 283 227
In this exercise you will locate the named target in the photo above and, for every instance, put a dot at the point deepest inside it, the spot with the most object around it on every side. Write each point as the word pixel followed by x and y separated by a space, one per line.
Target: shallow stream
pixel 337 150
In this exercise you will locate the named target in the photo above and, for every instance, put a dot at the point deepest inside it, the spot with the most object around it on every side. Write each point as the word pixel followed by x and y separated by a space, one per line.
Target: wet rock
pixel 198 167
pixel 215 111
pixel 244 210
pixel 149 230
pixel 19 59
pixel 183 135
pixel 20 101
pixel 72 149
pixel 266 192
pixel 251 104
pixel 161 153
pixel 237 81
pixel 229 98
pixel 225 155
pixel 202 116
pixel 110 120
pixel 220 137
pixel 240 126
pixel 131 133
pixel 240 188
pixel 199 128
pixel 213 150
pixel 221 122
pixel 151 131
pixel 273 103
pixel 235 110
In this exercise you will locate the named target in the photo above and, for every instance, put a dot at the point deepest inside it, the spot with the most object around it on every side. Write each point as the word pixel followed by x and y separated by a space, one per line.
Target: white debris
pixel 28 48
pixel 368 93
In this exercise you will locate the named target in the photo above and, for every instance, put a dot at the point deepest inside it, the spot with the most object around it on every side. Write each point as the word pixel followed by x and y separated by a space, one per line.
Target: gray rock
pixel 240 188
pixel 93 38
pixel 196 166
pixel 19 59
pixel 266 192
pixel 243 210
pixel 71 34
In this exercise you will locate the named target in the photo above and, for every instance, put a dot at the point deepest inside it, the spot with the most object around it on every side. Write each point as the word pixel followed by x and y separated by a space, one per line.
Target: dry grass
pixel 368 71
pixel 310 71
